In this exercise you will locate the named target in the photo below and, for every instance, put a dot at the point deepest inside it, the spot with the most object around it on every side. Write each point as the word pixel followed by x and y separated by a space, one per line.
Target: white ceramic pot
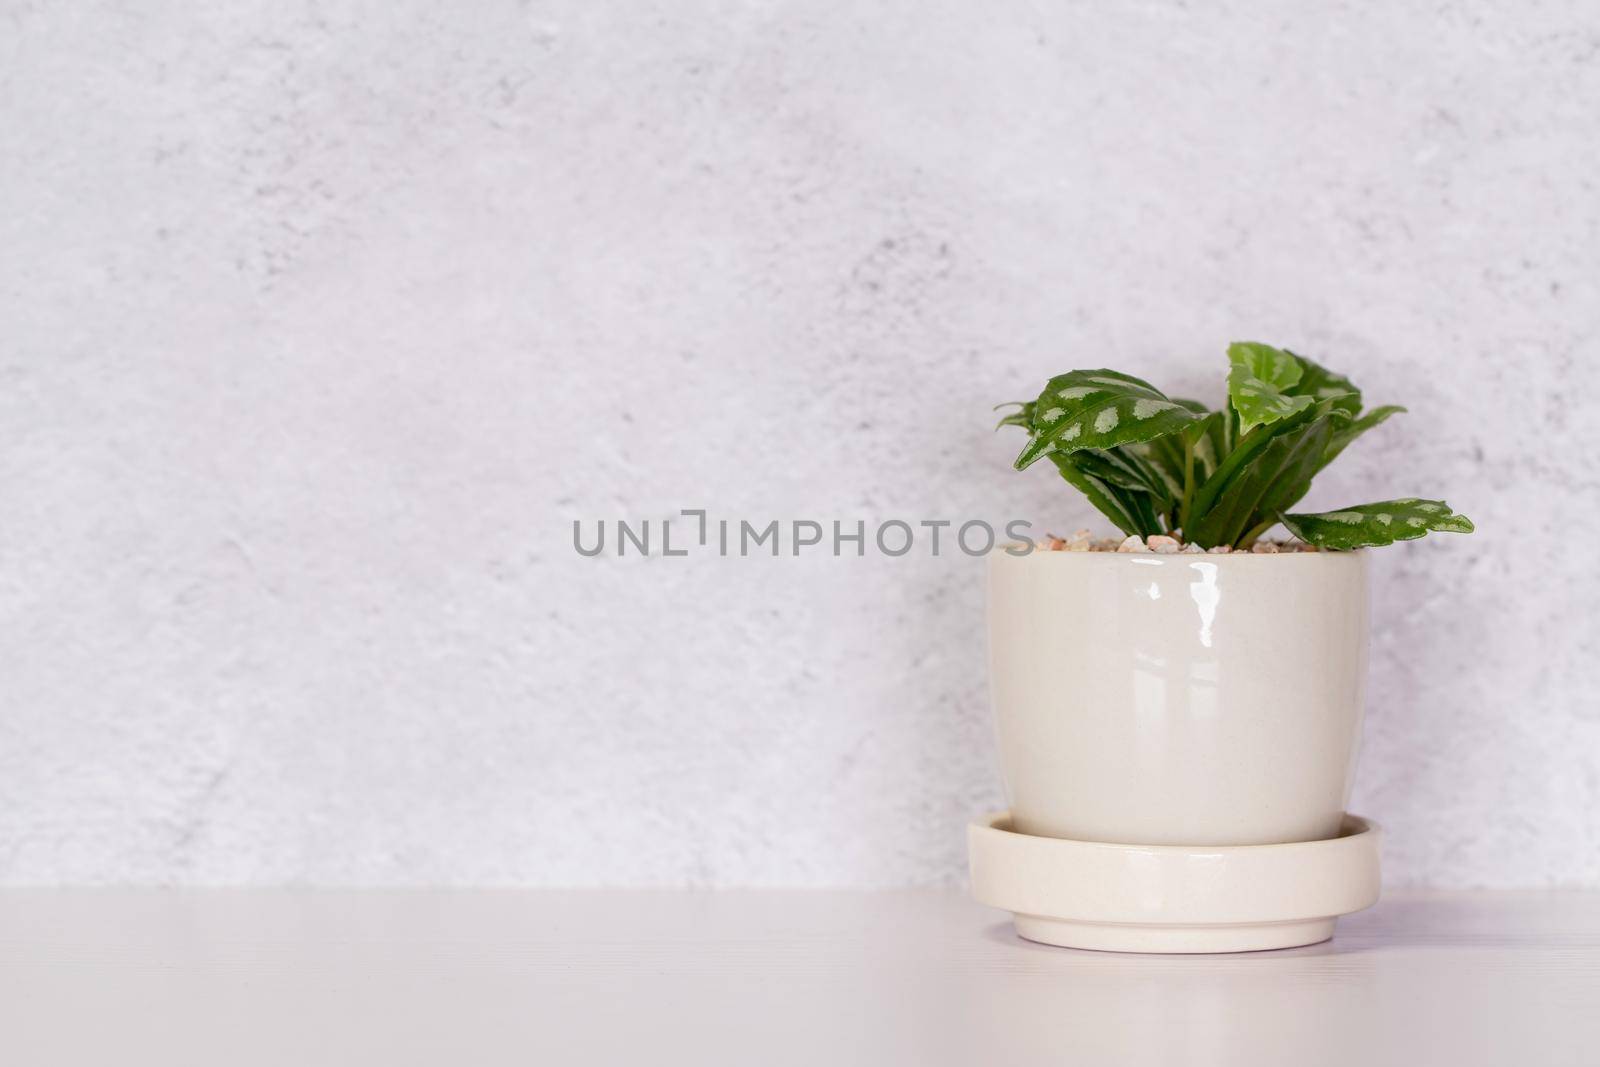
pixel 1178 699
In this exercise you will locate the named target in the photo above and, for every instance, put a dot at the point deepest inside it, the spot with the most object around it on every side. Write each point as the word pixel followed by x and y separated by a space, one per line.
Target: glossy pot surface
pixel 1178 699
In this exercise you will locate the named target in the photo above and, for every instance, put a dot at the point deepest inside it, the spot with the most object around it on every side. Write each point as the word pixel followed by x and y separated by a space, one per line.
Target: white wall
pixel 322 322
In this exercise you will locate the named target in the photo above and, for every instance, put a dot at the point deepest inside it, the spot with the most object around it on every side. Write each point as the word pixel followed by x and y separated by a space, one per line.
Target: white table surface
pixel 503 976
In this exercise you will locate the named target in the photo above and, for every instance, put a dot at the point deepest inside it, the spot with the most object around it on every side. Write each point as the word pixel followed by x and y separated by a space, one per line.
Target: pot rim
pixel 1000 550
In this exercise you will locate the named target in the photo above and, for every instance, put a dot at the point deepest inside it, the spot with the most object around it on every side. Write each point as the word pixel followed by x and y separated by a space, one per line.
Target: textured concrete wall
pixel 323 321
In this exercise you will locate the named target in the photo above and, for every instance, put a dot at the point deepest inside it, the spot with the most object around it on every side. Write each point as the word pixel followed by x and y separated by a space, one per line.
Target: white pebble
pixel 1263 548
pixel 1134 543
pixel 1218 550
pixel 1191 547
pixel 1162 545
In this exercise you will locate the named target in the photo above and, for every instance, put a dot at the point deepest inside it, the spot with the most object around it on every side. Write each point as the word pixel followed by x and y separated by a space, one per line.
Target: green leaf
pixel 1115 504
pixel 1126 469
pixel 1173 456
pixel 1206 436
pixel 1218 439
pixel 1355 428
pixel 1022 417
pixel 1248 447
pixel 1099 409
pixel 1260 384
pixel 1164 457
pixel 1146 460
pixel 1112 467
pixel 1320 383
pixel 1144 509
pixel 1203 434
pixel 1274 480
pixel 1383 523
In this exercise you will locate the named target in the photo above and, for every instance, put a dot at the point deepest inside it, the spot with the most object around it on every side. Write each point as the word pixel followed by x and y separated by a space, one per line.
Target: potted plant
pixel 1191 684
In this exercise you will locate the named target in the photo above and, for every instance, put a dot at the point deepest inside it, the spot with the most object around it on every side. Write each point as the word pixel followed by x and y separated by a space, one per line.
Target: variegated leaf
pixel 1099 409
pixel 1320 383
pixel 1261 382
pixel 1383 523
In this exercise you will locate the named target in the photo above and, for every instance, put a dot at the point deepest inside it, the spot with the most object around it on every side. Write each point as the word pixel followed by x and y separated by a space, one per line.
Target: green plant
pixel 1153 464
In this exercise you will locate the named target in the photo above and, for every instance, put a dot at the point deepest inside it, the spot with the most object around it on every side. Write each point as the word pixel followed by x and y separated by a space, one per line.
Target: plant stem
pixel 1188 481
pixel 1244 450
pixel 1250 538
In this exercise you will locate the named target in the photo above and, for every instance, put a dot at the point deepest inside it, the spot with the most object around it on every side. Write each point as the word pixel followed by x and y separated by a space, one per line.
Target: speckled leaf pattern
pixel 1261 382
pixel 1320 383
pixel 1370 525
pixel 1153 463
pixel 1099 409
